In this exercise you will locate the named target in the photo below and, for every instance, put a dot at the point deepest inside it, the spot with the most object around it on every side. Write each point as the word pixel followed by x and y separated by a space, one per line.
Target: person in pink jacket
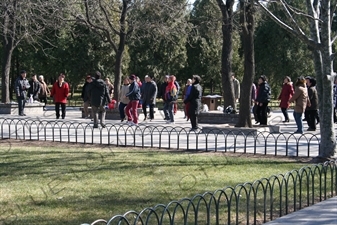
pixel 286 93
pixel 60 92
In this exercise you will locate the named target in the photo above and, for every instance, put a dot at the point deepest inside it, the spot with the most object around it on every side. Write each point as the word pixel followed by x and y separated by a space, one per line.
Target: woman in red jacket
pixel 286 93
pixel 60 92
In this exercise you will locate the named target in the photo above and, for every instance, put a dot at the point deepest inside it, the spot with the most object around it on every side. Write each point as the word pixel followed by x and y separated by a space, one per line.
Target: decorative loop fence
pixel 161 136
pixel 249 203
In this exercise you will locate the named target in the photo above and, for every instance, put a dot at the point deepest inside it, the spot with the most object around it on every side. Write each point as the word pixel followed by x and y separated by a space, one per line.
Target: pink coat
pixel 286 93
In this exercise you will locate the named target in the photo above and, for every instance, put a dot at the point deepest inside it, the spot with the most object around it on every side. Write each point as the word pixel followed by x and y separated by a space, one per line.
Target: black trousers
pixel 57 109
pixel 151 108
pixel 43 99
pixel 194 119
pixel 285 113
pixel 261 112
pixel 21 105
pixel 311 118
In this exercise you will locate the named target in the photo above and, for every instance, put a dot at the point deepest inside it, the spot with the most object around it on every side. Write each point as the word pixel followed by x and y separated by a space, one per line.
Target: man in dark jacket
pixel 149 93
pixel 134 96
pixel 194 98
pixel 311 111
pixel 99 98
pixel 35 87
pixel 21 87
pixel 86 96
pixel 262 100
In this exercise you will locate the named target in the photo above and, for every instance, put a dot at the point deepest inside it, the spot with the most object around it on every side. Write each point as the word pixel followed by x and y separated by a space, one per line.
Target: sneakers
pixel 169 122
pixel 131 123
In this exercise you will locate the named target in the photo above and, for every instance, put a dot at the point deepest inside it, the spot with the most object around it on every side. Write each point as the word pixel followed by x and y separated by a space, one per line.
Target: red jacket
pixel 60 93
pixel 286 93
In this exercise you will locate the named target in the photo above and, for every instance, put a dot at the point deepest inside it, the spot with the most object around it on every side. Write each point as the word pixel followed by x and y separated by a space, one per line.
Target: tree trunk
pixel 247 24
pixel 120 52
pixel 9 29
pixel 227 51
pixel 118 75
pixel 328 140
pixel 6 67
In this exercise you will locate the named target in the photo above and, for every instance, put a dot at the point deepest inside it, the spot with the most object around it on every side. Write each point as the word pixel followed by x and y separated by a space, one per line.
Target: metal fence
pixel 249 203
pixel 162 136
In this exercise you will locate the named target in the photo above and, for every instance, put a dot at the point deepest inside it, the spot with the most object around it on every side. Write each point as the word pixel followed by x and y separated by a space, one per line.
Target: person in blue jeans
pixel 170 97
pixel 301 100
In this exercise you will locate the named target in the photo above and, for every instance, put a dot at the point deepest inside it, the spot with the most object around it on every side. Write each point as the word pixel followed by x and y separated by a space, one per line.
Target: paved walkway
pixel 157 133
pixel 322 213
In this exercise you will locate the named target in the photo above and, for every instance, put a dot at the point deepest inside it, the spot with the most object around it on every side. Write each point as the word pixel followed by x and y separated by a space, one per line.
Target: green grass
pixel 53 183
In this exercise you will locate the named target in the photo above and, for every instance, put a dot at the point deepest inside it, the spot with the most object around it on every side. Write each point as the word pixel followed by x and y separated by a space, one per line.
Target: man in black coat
pixel 99 98
pixel 262 100
pixel 148 96
pixel 21 87
pixel 194 98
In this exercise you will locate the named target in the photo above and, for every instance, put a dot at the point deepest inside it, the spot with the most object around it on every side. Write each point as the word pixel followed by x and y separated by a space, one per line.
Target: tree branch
pixel 288 28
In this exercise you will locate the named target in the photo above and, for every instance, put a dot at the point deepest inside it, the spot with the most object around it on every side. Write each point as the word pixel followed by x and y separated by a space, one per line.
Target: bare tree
pixel 247 21
pixel 22 21
pixel 319 40
pixel 117 22
pixel 226 8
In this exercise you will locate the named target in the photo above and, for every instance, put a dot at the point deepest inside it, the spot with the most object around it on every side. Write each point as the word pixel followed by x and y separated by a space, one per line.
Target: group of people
pixel 134 94
pixel 34 89
pixel 303 94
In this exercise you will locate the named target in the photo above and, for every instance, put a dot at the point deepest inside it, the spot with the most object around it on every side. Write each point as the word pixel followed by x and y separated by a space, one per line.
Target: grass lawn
pixel 56 183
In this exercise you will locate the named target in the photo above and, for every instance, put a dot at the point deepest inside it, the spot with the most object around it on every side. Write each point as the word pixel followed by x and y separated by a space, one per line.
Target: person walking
pixel 134 97
pixel 148 96
pixel 162 90
pixel 21 87
pixel 35 88
pixel 286 93
pixel 194 99
pixel 170 98
pixel 85 95
pixel 44 91
pixel 110 87
pixel 262 100
pixel 99 98
pixel 186 93
pixel 311 110
pixel 175 104
pixel 123 100
pixel 60 93
pixel 301 100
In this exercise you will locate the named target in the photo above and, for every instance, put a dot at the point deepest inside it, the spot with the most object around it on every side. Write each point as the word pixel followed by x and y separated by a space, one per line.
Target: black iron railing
pixel 161 136
pixel 249 203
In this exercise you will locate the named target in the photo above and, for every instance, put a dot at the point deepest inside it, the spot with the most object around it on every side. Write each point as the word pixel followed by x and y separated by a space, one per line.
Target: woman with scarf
pixel 170 98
